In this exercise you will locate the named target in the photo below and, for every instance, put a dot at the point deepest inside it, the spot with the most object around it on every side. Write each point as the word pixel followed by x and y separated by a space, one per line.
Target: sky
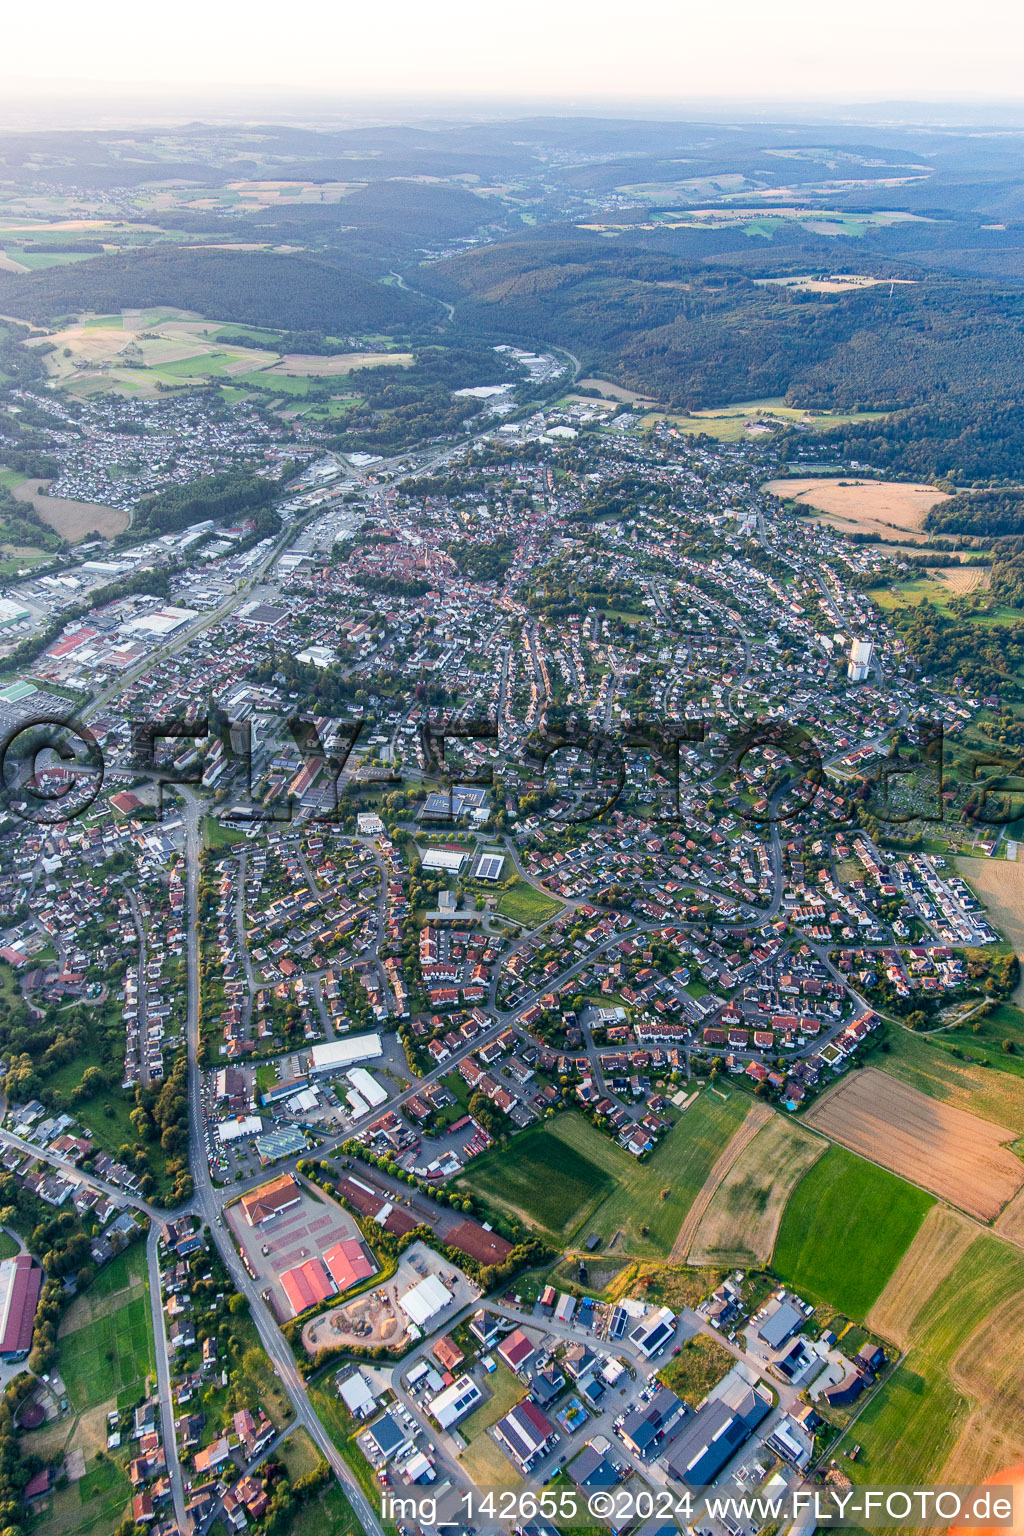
pixel 558 50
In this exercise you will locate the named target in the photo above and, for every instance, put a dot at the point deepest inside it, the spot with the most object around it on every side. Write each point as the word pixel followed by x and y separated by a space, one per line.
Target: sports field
pixel 956 1155
pixel 742 1220
pixel 845 1230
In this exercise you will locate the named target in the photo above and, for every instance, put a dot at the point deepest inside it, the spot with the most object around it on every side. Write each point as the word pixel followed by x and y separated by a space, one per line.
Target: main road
pixel 208 1202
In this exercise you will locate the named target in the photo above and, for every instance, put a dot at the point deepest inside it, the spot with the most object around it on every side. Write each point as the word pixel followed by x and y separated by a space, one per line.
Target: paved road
pixel 163 1377
pixel 209 1202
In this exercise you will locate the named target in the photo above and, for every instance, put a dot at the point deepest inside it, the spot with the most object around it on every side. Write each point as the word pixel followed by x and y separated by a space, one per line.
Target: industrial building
pixel 21 1280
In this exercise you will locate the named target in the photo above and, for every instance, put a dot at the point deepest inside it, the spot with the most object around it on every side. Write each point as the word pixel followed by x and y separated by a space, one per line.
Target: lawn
pixel 506 1391
pixel 300 1455
pixel 845 1229
pixel 909 1430
pixel 488 1466
pixel 219 834
pixel 700 1365
pixel 8 1247
pixel 521 903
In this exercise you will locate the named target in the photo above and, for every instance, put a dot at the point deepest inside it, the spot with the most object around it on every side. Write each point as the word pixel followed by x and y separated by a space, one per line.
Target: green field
pixel 521 903
pixel 329 1513
pixel 545 1176
pixel 300 1455
pixel 278 383
pixel 569 1176
pixel 111 1356
pixel 651 1201
pixel 700 1365
pixel 506 1390
pixel 909 1429
pixel 845 1229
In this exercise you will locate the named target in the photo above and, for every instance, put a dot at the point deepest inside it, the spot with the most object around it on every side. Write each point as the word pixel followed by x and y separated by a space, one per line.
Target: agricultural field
pixel 143 353
pixel 845 1229
pixel 956 1155
pixel 863 506
pixel 73 520
pixel 924 1062
pixel 547 1176
pixel 939 1417
pixel 942 1239
pixel 568 1175
pixel 742 1220
pixel 645 1211
pixel 757 1115
pixel 752 418
pixel 999 884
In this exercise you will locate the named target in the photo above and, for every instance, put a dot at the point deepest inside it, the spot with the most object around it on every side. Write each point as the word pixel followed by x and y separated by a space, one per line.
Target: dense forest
pixel 235 494
pixel 252 287
pixel 983 514
pixel 979 438
pixel 698 335
pixel 402 406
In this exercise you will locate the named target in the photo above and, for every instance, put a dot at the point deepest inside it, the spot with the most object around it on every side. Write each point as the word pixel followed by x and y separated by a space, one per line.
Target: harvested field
pixel 73 520
pixel 954 1154
pixel 1011 1222
pixel 999 883
pixel 863 506
pixel 943 1237
pixel 961 578
pixel 614 391
pixel 740 1224
pixel 989 1369
pixel 302 364
pixel 757 1116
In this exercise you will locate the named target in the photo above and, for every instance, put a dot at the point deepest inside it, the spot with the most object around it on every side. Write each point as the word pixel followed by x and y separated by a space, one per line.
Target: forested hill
pixel 697 334
pixel 251 287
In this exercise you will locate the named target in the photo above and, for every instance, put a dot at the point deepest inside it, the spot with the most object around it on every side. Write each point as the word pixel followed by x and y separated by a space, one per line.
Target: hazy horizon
pixel 574 57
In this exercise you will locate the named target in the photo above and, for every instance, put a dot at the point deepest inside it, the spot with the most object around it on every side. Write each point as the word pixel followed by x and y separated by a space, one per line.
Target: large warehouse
pixel 338 1055
pixel 21 1280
